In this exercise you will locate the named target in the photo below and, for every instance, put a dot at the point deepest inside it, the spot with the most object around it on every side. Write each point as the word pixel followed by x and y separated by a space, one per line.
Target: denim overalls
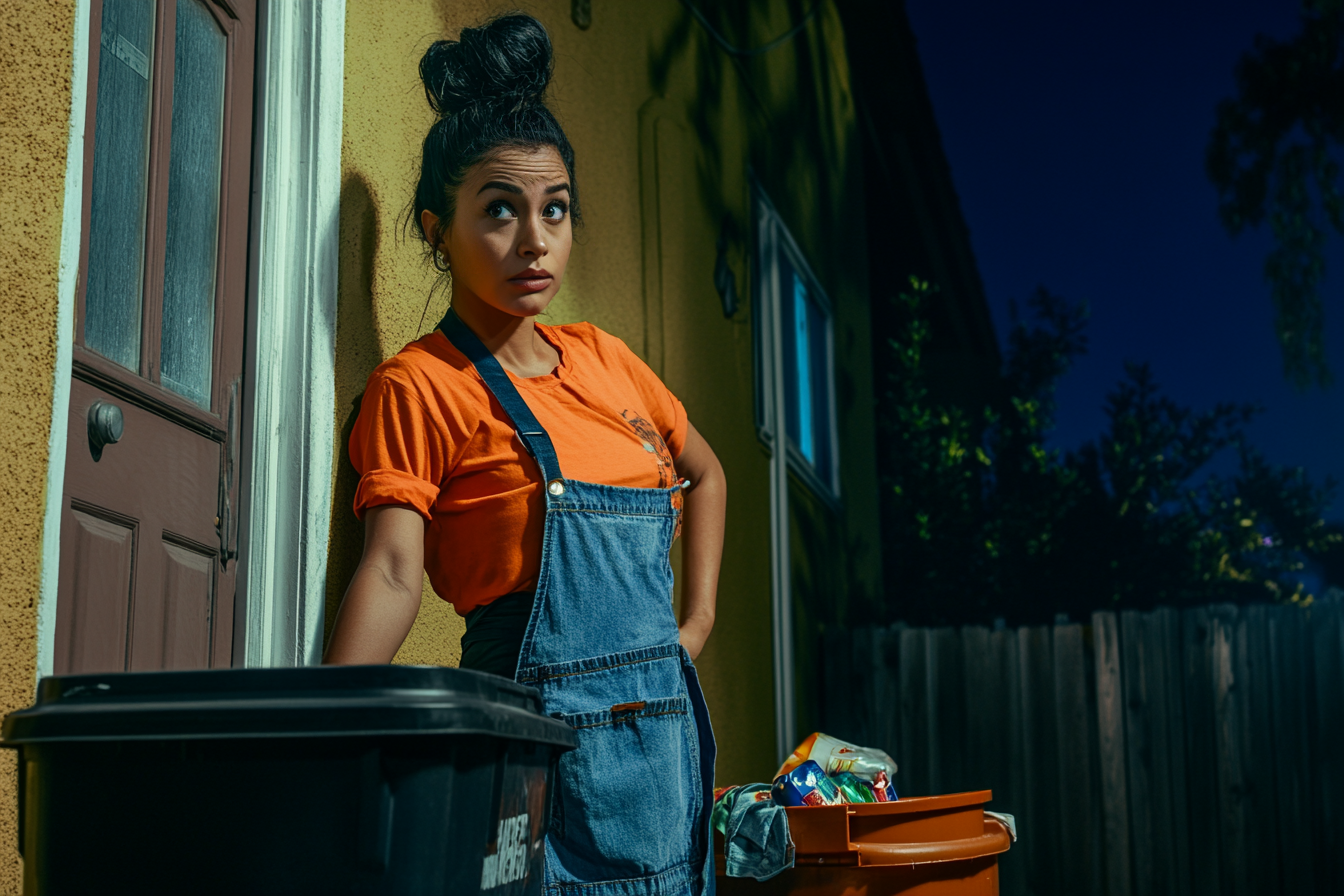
pixel 632 804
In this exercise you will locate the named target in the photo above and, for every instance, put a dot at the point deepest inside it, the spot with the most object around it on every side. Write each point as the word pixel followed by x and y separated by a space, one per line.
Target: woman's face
pixel 510 236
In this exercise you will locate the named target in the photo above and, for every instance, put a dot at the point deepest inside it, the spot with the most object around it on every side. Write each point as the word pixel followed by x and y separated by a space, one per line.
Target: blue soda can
pixel 806 785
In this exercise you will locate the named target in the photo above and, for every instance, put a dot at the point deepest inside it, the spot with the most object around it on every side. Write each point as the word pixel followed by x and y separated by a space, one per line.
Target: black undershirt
pixel 494 637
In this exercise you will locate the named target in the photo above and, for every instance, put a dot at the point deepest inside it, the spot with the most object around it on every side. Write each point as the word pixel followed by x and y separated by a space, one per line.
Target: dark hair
pixel 488 88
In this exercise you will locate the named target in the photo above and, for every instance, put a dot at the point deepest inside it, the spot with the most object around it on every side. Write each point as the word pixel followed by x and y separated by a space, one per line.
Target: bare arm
pixel 384 596
pixel 702 534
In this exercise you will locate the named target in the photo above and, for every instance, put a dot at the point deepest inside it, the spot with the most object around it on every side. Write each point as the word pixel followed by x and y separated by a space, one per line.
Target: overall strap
pixel 530 432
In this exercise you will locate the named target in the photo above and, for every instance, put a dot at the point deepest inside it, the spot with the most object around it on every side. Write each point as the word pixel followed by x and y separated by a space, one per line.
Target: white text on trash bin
pixel 509 863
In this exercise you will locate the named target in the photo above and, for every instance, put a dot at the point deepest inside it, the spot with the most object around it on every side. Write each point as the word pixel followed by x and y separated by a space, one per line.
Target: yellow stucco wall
pixel 665 128
pixel 35 69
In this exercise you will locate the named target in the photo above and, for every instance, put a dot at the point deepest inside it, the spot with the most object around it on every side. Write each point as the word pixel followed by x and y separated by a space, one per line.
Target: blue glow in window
pixel 802 354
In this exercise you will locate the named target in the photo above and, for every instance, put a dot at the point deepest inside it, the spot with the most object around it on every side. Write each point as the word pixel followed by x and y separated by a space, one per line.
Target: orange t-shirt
pixel 430 436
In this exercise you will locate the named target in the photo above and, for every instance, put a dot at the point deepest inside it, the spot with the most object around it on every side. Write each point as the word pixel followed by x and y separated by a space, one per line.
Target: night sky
pixel 1076 135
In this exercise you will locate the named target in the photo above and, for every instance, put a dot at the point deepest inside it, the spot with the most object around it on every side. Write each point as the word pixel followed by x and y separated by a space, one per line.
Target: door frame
pixel 67 281
pixel 289 362
pixel 289 393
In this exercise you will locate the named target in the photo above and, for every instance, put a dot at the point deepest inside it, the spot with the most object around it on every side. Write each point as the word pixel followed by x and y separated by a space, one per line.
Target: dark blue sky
pixel 1076 135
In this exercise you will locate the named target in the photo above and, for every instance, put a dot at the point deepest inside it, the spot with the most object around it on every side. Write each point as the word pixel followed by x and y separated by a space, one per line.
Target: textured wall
pixel 664 128
pixel 35 69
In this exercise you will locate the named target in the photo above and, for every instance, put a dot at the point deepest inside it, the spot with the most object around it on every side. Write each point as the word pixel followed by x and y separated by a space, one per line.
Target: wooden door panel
pixel 164 482
pixel 158 468
pixel 173 631
pixel 95 590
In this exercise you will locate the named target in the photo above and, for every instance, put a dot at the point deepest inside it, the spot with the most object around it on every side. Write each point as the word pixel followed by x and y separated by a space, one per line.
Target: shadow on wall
pixel 357 353
pixel 434 639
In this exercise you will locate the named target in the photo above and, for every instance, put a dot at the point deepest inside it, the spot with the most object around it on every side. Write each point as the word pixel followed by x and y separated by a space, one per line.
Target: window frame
pixel 231 247
pixel 772 238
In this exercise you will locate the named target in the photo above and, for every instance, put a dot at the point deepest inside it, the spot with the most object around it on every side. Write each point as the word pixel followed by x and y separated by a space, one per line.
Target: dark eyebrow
pixel 514 188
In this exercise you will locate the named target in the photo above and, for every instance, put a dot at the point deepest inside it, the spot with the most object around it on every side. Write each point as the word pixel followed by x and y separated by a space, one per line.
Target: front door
pixel 149 514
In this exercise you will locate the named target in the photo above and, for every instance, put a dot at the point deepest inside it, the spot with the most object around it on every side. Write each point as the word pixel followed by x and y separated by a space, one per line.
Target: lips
pixel 532 281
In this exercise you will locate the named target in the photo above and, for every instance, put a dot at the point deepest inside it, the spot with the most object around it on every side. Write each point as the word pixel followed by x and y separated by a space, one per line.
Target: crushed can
pixel 806 785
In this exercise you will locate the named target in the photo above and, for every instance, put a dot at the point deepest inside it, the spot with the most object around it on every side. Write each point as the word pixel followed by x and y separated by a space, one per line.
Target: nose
pixel 532 238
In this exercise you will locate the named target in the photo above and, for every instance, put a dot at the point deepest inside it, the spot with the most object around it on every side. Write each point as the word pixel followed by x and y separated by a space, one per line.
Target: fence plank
pixel 984 709
pixel 1290 730
pixel 862 693
pixel 1075 772
pixel 886 708
pixel 914 712
pixel 1164 648
pixel 1143 783
pixel 1040 754
pixel 1228 711
pixel 837 678
pixel 1016 863
pixel 1111 750
pixel 949 706
pixel 1327 649
pixel 1202 773
pixel 1259 764
pixel 1097 877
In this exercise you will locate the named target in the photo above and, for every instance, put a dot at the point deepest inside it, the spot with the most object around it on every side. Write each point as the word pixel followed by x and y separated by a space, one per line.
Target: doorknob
pixel 106 426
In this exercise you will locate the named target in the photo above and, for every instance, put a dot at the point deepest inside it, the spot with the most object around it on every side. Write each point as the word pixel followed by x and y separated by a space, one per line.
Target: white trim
pixel 67 277
pixel 291 376
pixel 771 406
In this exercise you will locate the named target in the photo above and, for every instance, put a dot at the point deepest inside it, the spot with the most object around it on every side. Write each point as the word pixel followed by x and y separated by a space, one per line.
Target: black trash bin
pixel 331 780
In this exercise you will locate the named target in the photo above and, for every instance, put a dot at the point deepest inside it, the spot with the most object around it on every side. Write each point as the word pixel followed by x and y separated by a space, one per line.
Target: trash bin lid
pixel 311 701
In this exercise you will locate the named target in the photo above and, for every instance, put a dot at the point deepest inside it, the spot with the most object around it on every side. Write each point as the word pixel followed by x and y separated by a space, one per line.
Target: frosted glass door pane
pixel 113 296
pixel 187 353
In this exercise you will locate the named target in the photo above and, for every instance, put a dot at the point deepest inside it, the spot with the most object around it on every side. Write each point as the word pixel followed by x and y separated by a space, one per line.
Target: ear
pixel 429 223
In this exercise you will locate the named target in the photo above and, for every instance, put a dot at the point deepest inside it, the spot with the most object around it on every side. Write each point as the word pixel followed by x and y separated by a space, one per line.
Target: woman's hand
pixel 693 637
pixel 383 599
pixel 703 512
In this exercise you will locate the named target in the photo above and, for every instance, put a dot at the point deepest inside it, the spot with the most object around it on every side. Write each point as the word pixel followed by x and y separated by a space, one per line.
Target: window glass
pixel 819 387
pixel 798 369
pixel 199 61
pixel 112 298
pixel 807 394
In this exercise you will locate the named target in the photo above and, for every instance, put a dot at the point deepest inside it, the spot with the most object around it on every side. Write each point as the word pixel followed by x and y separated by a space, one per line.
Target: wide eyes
pixel 553 213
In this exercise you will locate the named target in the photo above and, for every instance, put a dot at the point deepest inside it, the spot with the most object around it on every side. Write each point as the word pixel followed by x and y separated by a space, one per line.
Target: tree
pixel 1274 154
pixel 982 520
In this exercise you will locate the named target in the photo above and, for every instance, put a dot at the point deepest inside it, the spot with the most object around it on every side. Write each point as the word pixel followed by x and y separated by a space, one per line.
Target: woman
pixel 461 441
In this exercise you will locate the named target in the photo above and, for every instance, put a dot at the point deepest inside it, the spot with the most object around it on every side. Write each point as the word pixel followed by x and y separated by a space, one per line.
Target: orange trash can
pixel 918 846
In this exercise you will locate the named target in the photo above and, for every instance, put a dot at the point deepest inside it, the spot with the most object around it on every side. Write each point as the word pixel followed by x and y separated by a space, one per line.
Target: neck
pixel 512 340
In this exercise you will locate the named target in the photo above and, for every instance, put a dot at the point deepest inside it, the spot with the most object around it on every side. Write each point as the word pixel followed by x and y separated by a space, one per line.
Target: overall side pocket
pixel 628 795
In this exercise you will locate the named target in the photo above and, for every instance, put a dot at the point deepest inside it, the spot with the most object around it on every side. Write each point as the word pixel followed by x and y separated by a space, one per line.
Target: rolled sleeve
pixel 397 448
pixel 379 487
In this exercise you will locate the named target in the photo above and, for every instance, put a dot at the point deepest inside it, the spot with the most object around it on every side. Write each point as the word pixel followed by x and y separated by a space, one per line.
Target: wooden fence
pixel 1191 753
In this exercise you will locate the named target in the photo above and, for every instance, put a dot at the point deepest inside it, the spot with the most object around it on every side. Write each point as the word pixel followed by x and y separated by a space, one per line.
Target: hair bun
pixel 504 63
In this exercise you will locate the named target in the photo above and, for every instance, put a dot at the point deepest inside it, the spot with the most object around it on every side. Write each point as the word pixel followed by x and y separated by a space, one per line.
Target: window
pixel 795 380
pixel 165 153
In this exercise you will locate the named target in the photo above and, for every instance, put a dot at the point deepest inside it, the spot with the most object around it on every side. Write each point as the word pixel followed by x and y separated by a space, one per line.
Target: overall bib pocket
pixel 628 797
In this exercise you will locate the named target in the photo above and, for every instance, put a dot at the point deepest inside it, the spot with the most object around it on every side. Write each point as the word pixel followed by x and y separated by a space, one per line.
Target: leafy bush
pixel 981 520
